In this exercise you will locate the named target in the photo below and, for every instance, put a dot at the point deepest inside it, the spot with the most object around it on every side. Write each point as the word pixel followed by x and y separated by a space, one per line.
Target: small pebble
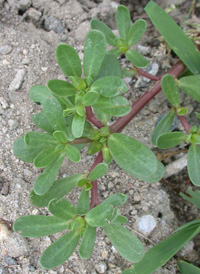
pixel 18 80
pixel 9 260
pixel 4 103
pixel 101 268
pixel 104 254
pixel 5 49
pixel 4 231
pixel 146 224
pixel 12 124
pixel 110 185
pixel 143 50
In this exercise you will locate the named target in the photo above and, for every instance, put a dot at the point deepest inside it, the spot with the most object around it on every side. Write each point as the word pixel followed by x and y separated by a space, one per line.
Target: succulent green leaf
pixel 72 153
pixel 181 111
pixel 46 157
pixel 186 268
pixel 127 244
pixel 58 190
pixel 136 32
pixel 60 136
pixel 61 88
pixel 190 85
pixel 110 36
pixel 174 36
pixel 193 164
pixel 58 252
pixel 192 197
pixel 123 21
pixel 107 157
pixel 136 58
pixel 116 52
pixel 170 139
pixel 44 181
pixel 39 140
pixel 54 114
pixel 63 209
pixel 163 251
pixel 109 86
pixel 170 89
pixel 94 52
pixel 41 121
pixel 98 171
pixel 131 155
pixel 39 94
pixel 68 60
pixel 115 199
pixel 99 215
pixel 163 126
pixel 87 243
pixel 78 83
pixel 109 67
pixel 24 153
pixel 78 123
pixel 195 138
pixel 90 98
pixel 38 226
pixel 94 147
pixel 120 220
pixel 128 72
pixel 115 106
pixel 83 202
pixel 156 177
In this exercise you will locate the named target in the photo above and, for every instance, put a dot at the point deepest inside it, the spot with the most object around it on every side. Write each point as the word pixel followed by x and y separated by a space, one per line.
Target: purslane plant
pixel 75 113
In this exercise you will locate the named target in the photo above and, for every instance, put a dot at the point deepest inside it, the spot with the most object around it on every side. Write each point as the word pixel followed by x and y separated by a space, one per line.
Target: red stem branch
pixel 148 75
pixel 185 123
pixel 91 118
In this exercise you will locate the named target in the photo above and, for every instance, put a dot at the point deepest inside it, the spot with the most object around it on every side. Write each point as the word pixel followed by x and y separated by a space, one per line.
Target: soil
pixel 30 31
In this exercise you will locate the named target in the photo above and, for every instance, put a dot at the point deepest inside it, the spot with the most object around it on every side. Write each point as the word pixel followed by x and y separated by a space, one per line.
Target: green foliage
pixel 193 197
pixel 170 89
pixel 193 162
pixel 87 242
pixel 186 268
pixel 170 139
pixel 190 85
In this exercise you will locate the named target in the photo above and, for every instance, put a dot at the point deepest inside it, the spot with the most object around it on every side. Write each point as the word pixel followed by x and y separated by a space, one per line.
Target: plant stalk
pixel 185 123
pixel 91 118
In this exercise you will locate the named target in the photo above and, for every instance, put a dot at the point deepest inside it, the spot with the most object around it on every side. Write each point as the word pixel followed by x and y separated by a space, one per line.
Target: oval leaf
pixel 109 86
pixel 123 21
pixel 98 171
pixel 193 164
pixel 127 244
pixel 68 60
pixel 39 94
pixel 72 153
pixel 87 243
pixel 78 123
pixel 131 155
pixel 41 121
pixel 58 252
pixel 46 157
pixel 60 136
pixel 170 139
pixel 90 98
pixel 156 177
pixel 136 32
pixel 61 88
pixel 136 58
pixel 62 209
pixel 170 89
pixel 190 85
pixel 39 140
pixel 83 202
pixel 163 126
pixel 38 226
pixel 94 52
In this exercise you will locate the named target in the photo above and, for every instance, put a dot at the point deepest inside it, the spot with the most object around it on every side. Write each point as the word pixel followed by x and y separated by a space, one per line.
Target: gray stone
pixel 24 4
pixel 16 246
pixel 101 268
pixel 3 270
pixel 5 49
pixel 33 15
pixel 51 23
pixel 146 224
pixel 152 69
pixel 18 80
pixel 81 31
pixel 12 124
pixel 4 103
pixel 143 50
pixel 9 260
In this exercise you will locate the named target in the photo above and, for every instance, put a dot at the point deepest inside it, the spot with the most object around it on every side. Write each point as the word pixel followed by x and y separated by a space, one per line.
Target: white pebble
pixel 146 224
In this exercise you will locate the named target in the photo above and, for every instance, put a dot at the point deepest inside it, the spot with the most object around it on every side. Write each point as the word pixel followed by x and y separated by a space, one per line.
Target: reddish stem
pixel 185 123
pixel 121 123
pixel 147 75
pixel 91 118
pixel 94 190
pixel 81 141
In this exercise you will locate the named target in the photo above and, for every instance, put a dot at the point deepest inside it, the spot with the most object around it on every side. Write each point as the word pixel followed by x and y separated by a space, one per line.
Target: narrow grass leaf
pixel 36 226
pixel 54 114
pixel 41 121
pixel 46 157
pixel 61 88
pixel 136 58
pixel 94 52
pixel 110 36
pixel 72 153
pixel 174 36
pixel 123 21
pixel 44 181
pixel 192 224
pixel 192 197
pixel 63 209
pixel 127 244
pixel 78 123
pixel 58 252
pixel 109 86
pixel 170 139
pixel 98 171
pixel 87 242
pixel 186 268
pixel 132 156
pixel 38 94
pixel 136 32
pixel 170 89
pixel 68 60
pixel 58 190
pixel 83 202
pixel 163 126
pixel 163 251
pixel 115 106
pixel 193 164
pixel 190 85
